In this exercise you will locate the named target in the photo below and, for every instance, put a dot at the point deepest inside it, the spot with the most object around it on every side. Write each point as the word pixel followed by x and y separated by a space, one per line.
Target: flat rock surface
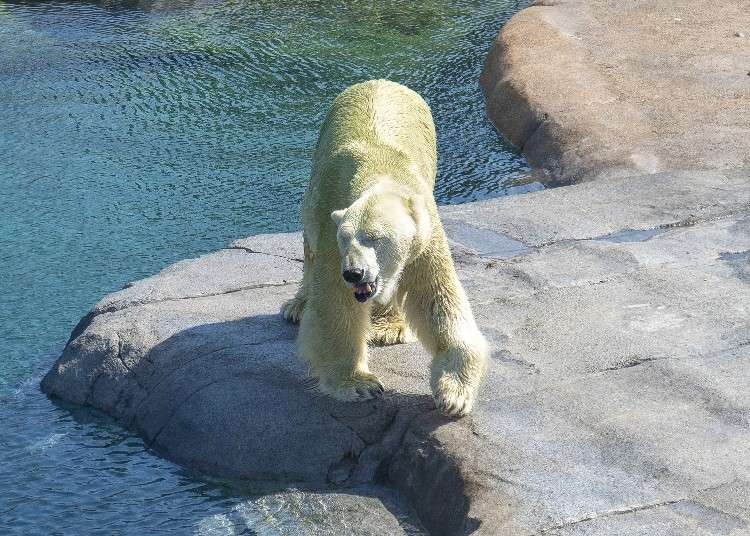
pixel 618 313
pixel 617 381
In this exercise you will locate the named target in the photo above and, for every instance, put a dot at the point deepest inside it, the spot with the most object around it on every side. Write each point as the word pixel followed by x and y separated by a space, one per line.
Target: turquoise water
pixel 134 134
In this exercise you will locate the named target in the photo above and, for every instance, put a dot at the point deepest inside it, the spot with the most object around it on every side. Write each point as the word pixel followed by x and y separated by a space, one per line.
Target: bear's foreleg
pixel 455 377
pixel 441 315
pixel 333 338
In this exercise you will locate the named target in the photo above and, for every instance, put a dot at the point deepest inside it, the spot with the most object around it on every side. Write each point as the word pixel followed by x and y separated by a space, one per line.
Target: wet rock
pixel 357 511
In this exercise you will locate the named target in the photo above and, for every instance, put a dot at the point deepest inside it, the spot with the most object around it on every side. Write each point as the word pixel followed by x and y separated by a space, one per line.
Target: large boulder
pixel 594 88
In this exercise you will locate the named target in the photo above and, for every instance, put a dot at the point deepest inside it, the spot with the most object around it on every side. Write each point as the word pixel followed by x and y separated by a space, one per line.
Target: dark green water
pixel 134 134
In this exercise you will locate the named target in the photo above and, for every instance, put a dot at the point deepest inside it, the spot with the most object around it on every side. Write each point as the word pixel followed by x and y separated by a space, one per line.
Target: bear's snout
pixel 353 275
pixel 364 291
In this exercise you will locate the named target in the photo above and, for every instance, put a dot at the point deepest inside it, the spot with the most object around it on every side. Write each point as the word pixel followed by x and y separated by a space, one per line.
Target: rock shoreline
pixel 617 311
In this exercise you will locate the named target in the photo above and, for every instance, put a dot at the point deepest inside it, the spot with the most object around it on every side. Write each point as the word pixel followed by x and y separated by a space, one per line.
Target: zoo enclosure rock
pixel 616 400
pixel 616 381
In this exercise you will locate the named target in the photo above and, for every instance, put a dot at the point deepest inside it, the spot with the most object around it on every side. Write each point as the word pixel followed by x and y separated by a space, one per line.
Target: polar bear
pixel 377 263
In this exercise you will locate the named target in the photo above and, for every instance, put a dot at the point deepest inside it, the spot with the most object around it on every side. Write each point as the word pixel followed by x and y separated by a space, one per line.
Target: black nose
pixel 353 275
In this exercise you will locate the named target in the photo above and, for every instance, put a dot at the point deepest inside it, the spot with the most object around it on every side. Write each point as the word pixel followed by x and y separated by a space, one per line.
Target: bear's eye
pixel 372 236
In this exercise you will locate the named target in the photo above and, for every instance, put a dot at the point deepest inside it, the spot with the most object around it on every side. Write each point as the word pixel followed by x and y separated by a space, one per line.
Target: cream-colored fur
pixel 369 207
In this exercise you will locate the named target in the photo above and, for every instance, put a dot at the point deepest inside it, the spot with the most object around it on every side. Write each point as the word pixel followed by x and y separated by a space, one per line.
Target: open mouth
pixel 364 291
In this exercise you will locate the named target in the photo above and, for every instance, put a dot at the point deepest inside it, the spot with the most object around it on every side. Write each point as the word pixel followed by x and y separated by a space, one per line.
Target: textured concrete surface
pixel 592 88
pixel 618 312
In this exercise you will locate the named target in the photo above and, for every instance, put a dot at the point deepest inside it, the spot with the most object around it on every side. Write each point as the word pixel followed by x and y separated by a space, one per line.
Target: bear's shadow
pixel 231 400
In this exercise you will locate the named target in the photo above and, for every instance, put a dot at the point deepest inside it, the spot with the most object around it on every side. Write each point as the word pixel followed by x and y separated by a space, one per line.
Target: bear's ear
pixel 421 216
pixel 337 216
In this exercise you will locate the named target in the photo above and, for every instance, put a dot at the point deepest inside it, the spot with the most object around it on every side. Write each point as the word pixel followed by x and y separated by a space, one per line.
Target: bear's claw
pixel 292 310
pixel 453 397
pixel 361 387
pixel 370 391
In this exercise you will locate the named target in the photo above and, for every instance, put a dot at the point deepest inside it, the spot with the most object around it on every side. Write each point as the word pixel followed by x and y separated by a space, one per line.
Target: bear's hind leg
pixel 389 326
pixel 292 309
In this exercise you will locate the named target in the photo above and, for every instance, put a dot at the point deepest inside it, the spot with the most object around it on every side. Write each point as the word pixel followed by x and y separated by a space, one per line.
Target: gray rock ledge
pixel 618 379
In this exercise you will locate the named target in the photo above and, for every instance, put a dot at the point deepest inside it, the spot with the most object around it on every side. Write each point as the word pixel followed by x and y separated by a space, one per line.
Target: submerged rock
pixel 358 511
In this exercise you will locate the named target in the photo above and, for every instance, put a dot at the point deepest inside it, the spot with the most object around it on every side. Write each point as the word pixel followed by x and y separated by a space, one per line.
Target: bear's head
pixel 378 235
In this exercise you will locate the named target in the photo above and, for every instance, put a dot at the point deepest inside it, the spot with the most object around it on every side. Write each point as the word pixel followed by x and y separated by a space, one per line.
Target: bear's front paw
pixel 453 397
pixel 361 386
pixel 292 310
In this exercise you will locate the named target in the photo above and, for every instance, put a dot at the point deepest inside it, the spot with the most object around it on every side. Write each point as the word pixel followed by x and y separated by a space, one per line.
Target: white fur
pixel 369 206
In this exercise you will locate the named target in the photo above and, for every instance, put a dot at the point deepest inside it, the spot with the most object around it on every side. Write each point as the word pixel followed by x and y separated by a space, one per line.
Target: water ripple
pixel 135 133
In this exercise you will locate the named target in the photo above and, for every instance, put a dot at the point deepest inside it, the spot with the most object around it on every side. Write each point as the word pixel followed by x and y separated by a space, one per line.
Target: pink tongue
pixel 364 288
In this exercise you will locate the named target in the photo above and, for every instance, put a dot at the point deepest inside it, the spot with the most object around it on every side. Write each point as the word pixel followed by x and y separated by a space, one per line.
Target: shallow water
pixel 133 134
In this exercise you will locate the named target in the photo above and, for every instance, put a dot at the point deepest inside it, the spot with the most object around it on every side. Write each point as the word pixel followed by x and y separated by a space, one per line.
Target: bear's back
pixel 373 129
pixel 380 115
